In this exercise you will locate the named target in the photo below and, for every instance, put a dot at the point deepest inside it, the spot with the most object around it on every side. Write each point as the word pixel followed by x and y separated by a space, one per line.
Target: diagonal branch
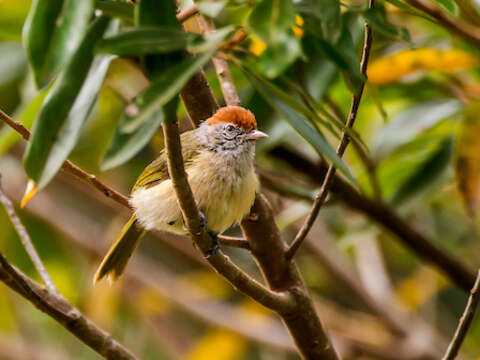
pixel 465 321
pixel 328 180
pixel 279 301
pixel 26 241
pixel 63 312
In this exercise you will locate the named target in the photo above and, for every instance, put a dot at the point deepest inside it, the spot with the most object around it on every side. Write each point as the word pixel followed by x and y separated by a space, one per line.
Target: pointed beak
pixel 256 135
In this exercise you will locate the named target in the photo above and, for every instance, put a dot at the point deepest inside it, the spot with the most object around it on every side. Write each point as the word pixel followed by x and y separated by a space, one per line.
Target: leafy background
pixel 418 130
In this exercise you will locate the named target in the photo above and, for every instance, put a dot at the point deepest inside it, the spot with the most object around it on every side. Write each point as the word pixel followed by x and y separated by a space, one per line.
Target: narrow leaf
pixel 54 133
pixel 426 173
pixel 141 41
pixel 124 146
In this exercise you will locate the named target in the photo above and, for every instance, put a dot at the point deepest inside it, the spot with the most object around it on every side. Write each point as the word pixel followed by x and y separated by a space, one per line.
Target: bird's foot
pixel 203 223
pixel 216 245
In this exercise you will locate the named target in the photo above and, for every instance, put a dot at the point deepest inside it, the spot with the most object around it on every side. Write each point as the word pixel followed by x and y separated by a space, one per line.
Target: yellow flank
pixel 156 207
pixel 394 67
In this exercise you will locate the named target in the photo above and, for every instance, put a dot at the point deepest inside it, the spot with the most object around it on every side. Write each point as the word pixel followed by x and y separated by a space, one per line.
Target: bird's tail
pixel 114 263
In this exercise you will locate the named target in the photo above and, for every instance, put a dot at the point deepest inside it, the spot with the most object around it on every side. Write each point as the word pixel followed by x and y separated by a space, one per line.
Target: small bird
pixel 219 161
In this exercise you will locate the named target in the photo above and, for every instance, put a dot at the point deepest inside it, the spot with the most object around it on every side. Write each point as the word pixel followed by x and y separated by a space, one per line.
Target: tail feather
pixel 114 263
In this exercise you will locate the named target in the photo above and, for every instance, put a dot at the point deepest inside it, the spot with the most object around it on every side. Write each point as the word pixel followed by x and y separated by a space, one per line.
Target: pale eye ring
pixel 230 128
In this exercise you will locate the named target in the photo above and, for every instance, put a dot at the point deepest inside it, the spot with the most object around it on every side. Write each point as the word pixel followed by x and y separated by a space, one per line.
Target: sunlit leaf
pixel 468 158
pixel 64 111
pixel 51 34
pixel 121 10
pixel 211 8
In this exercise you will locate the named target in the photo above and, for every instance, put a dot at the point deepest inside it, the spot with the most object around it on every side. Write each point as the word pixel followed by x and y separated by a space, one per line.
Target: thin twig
pixel 70 167
pixel 345 139
pixel 26 241
pixel 465 321
pixel 63 312
pixel 187 13
pixel 233 241
pixel 221 67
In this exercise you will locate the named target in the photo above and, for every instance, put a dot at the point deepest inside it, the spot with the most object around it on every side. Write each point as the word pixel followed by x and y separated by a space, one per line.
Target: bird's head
pixel 232 129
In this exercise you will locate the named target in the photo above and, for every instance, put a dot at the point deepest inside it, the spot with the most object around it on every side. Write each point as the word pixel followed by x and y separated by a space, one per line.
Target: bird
pixel 219 160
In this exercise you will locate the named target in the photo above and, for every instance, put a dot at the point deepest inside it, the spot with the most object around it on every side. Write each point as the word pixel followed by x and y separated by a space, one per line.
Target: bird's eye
pixel 230 128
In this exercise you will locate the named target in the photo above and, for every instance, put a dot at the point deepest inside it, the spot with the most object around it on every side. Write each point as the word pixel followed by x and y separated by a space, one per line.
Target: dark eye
pixel 230 128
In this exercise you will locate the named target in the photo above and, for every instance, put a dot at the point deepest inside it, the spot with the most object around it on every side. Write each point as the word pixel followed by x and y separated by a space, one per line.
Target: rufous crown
pixel 236 115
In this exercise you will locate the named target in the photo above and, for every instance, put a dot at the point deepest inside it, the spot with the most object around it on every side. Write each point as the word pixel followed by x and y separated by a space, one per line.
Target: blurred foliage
pixel 98 97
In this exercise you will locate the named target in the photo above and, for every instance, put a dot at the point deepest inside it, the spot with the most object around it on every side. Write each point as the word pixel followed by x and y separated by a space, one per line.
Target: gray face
pixel 229 139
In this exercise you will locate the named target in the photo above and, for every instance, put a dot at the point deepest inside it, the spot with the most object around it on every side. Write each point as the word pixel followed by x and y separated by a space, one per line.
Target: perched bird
pixel 219 162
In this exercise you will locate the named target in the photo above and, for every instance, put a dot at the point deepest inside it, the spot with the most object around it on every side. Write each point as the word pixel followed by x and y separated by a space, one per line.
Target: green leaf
pixel 409 9
pixel 121 10
pixel 278 57
pixel 354 77
pixel 409 123
pixel 426 173
pixel 57 125
pixel 124 146
pixel 379 23
pixel 270 18
pixel 449 6
pixel 287 107
pixel 52 32
pixel 142 41
pixel 163 89
pixel 323 15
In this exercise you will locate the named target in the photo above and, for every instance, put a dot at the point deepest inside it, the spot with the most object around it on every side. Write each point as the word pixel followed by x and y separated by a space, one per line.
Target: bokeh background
pixel 419 119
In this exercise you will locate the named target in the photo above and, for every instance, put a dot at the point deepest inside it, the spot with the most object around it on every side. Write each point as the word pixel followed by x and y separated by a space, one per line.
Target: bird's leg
pixel 216 244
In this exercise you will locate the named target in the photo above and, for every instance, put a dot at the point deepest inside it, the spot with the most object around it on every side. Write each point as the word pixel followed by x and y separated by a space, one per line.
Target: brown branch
pixel 458 26
pixel 344 141
pixel 26 241
pixel 275 300
pixel 386 217
pixel 465 321
pixel 70 167
pixel 221 67
pixel 232 241
pixel 65 314
pixel 187 13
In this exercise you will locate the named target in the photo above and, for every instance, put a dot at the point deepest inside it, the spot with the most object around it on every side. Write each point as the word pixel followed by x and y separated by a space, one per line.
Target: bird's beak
pixel 256 135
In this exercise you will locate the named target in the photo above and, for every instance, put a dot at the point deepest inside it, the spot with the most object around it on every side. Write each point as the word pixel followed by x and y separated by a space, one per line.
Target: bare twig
pixel 232 241
pixel 187 13
pixel 465 321
pixel 65 314
pixel 278 301
pixel 345 139
pixel 221 67
pixel 69 167
pixel 26 241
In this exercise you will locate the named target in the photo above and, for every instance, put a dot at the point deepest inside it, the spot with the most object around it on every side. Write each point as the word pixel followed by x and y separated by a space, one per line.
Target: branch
pixel 69 167
pixel 384 216
pixel 278 301
pixel 187 13
pixel 26 241
pixel 458 26
pixel 221 67
pixel 65 314
pixel 465 321
pixel 328 180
